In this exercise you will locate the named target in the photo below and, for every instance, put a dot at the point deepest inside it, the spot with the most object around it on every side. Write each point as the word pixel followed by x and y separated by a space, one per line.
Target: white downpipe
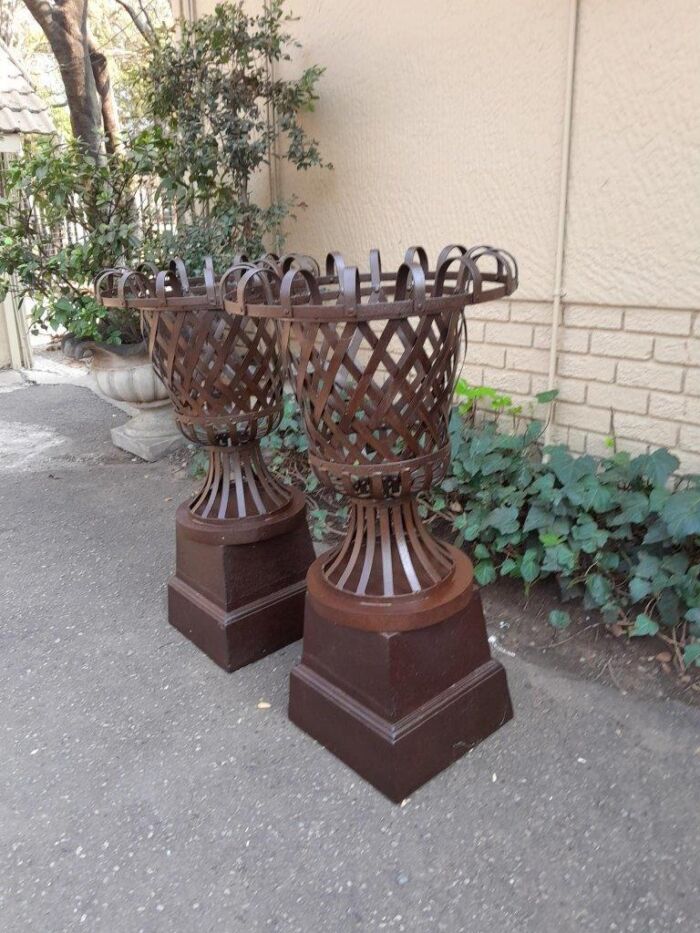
pixel 563 198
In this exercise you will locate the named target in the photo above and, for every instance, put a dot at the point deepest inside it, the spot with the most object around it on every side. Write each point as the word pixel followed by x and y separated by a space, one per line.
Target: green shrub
pixel 62 220
pixel 220 113
pixel 213 115
pixel 620 533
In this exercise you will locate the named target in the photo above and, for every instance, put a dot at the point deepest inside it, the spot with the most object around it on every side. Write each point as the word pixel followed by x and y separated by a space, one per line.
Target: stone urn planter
pixel 124 373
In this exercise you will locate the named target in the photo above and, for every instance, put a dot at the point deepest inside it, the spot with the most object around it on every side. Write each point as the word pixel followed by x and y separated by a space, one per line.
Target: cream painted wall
pixel 634 203
pixel 434 140
pixel 445 123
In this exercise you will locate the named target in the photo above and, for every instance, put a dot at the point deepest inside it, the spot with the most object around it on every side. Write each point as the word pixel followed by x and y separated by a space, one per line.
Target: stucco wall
pixel 444 121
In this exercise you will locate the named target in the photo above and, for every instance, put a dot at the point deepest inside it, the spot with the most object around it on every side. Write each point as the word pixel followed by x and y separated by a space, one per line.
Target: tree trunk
pixel 64 23
pixel 110 117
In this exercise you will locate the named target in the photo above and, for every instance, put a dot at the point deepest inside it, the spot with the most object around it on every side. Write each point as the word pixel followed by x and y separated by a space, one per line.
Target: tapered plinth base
pixel 240 602
pixel 399 707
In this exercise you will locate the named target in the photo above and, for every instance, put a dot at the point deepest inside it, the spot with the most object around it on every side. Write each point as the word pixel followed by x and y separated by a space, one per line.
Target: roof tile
pixel 21 108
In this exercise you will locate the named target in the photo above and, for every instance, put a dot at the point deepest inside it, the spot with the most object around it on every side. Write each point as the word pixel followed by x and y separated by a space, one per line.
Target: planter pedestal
pixel 124 373
pixel 397 706
pixel 150 434
pixel 238 602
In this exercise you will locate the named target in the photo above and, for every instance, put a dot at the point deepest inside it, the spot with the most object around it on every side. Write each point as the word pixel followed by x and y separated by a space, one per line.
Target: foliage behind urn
pixel 220 115
pixel 213 116
pixel 63 218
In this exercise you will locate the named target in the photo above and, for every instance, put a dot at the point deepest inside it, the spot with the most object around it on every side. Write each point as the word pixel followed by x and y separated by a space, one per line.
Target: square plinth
pixel 238 603
pixel 399 707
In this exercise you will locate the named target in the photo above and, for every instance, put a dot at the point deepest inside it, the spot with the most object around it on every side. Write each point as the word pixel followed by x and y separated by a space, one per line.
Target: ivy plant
pixel 620 533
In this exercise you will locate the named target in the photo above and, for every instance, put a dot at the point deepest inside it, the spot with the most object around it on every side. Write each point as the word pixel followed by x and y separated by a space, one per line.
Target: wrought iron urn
pixel 225 379
pixel 396 676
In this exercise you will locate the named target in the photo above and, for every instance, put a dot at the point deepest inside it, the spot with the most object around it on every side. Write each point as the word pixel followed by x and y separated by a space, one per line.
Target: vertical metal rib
pixel 238 485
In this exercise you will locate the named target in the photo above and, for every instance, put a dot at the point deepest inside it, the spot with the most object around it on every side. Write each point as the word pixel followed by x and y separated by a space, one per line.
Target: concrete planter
pixel 125 374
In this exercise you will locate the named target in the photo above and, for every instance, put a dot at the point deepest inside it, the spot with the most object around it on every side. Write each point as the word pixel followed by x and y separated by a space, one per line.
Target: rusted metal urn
pixel 396 676
pixel 243 545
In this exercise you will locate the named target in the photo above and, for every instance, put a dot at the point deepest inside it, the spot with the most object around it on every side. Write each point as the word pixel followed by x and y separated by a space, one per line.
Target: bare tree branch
pixel 141 20
pixel 110 116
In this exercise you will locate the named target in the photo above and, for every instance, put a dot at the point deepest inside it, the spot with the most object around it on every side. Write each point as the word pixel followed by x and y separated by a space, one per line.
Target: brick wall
pixel 629 372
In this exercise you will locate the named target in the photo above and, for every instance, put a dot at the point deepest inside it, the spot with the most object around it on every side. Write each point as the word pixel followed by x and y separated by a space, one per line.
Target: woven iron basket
pixel 224 375
pixel 374 358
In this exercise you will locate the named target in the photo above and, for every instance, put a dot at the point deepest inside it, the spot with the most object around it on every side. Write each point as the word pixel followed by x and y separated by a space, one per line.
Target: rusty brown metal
pixel 396 676
pixel 373 360
pixel 225 379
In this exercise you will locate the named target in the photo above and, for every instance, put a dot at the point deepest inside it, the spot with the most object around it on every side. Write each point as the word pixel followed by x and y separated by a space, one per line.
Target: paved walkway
pixel 142 789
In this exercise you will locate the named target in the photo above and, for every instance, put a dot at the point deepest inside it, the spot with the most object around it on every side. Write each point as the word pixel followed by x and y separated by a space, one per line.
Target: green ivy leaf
pixel 484 572
pixel 530 565
pixel 682 513
pixel 503 519
pixel 608 560
pixel 647 565
pixel 537 517
pixel 668 605
pixel 562 464
pixel 549 539
pixel 691 654
pixel 559 618
pixel 634 509
pixel 657 466
pixel 644 625
pixel 559 558
pixel 599 588
pixel 639 588
pixel 508 566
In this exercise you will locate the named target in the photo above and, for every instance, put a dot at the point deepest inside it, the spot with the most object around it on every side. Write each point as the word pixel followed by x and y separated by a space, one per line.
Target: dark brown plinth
pixel 399 707
pixel 239 602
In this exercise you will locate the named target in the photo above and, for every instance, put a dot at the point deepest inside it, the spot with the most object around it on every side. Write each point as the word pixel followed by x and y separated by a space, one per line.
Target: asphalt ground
pixel 141 788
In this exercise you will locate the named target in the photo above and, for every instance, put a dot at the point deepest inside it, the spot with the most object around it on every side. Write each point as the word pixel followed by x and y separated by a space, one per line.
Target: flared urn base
pixel 240 495
pixel 238 602
pixel 398 706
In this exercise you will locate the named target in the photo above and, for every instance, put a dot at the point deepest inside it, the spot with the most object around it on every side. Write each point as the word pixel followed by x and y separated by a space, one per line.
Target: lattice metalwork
pixel 223 374
pixel 374 359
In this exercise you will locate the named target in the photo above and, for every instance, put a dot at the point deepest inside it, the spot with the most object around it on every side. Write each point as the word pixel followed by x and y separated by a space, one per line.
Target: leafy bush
pixel 63 219
pixel 214 114
pixel 221 114
pixel 620 532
